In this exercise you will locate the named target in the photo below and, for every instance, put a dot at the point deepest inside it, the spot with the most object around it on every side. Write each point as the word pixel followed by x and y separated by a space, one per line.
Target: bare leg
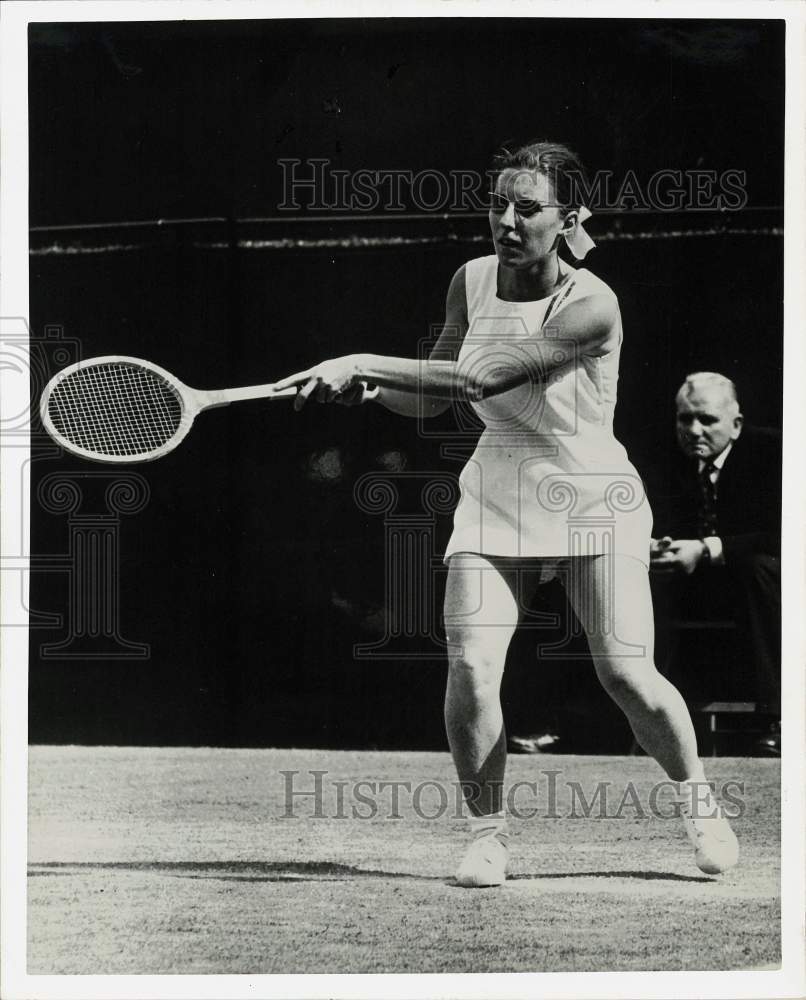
pixel 481 614
pixel 611 597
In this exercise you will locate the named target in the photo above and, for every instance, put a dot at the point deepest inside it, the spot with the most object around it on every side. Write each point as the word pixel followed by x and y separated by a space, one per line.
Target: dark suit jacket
pixel 748 496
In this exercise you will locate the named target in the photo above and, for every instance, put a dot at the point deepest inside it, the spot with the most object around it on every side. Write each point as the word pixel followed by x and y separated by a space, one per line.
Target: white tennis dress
pixel 547 477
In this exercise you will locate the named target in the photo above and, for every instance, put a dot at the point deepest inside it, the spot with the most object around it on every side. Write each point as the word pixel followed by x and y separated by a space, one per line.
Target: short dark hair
pixel 558 162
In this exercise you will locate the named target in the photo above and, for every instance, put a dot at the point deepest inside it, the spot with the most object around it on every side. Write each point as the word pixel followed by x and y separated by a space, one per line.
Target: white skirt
pixel 518 505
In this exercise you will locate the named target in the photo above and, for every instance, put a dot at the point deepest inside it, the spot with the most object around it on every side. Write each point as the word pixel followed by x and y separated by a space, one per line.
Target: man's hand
pixel 680 555
pixel 657 546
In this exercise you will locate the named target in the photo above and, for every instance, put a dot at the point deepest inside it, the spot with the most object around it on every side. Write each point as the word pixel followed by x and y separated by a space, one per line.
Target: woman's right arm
pixel 414 404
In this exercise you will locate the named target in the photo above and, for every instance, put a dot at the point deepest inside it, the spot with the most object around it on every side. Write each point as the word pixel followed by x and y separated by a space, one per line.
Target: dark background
pixel 251 571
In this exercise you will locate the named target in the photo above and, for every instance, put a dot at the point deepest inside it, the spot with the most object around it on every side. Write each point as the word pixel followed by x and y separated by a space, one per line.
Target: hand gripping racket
pixel 119 409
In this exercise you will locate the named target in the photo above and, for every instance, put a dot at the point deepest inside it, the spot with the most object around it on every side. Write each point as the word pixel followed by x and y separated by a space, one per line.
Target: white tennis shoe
pixel 484 864
pixel 716 848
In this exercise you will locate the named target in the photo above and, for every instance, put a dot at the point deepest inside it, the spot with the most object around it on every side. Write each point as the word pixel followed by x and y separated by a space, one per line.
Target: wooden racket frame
pixel 193 402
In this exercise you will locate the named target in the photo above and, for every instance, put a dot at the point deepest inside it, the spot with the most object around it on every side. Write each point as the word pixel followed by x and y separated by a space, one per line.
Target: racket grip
pixel 369 394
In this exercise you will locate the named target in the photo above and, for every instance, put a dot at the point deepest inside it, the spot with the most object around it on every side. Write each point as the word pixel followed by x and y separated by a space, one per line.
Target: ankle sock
pixel 493 825
pixel 697 794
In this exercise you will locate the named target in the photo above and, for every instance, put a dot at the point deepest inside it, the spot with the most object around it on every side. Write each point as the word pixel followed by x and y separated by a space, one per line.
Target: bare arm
pixel 410 403
pixel 494 367
pixel 490 368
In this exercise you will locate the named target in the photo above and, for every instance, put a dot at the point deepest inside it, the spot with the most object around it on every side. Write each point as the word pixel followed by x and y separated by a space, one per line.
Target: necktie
pixel 706 515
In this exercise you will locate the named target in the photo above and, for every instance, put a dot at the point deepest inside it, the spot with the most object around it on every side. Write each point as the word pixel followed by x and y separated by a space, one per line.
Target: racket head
pixel 117 409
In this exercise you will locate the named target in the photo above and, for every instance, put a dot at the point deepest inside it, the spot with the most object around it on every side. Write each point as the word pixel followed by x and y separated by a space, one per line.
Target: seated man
pixel 718 530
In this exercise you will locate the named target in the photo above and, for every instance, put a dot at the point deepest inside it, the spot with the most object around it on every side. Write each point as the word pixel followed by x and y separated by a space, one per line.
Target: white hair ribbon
pixel 577 240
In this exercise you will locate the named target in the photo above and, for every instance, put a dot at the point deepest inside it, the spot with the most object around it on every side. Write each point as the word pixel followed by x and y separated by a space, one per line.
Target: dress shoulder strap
pixel 562 296
pixel 580 282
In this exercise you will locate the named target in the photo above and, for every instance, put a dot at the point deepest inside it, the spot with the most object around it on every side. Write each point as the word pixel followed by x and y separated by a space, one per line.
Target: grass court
pixel 180 860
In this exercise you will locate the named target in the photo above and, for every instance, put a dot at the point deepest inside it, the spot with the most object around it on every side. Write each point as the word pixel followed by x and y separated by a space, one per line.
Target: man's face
pixel 707 421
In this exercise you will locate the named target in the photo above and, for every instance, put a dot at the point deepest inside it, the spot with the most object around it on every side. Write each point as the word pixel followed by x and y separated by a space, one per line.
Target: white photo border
pixel 790 980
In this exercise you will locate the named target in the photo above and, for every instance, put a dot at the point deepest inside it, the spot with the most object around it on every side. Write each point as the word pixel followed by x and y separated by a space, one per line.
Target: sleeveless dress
pixel 547 478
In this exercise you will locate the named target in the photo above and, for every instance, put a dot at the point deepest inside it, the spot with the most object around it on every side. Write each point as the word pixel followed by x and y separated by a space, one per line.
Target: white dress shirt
pixel 713 543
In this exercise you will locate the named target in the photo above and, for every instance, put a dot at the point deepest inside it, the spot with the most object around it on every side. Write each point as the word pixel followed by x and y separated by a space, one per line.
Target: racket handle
pixel 221 397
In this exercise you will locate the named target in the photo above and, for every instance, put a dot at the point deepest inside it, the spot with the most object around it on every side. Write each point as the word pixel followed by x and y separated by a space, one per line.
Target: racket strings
pixel 115 409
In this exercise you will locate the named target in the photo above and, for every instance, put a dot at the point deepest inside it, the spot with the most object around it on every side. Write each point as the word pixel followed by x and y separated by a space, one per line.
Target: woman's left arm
pixel 487 369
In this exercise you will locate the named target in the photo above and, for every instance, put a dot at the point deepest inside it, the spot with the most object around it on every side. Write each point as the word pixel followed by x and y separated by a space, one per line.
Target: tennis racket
pixel 119 409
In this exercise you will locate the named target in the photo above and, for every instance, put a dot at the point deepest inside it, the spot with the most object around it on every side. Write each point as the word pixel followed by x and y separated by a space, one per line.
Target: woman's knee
pixel 475 667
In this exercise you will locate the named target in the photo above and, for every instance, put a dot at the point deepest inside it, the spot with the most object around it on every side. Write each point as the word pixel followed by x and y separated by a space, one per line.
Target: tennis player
pixel 533 344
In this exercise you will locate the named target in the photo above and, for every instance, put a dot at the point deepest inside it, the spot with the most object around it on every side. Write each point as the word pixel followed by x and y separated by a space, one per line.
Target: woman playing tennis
pixel 533 345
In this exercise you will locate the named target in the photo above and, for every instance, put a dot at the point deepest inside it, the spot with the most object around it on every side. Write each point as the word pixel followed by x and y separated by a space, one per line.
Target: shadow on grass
pixel 309 871
pixel 643 876
pixel 236 871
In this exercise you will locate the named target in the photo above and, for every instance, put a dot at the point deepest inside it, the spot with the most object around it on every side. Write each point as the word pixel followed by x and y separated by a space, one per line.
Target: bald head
pixel 708 415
